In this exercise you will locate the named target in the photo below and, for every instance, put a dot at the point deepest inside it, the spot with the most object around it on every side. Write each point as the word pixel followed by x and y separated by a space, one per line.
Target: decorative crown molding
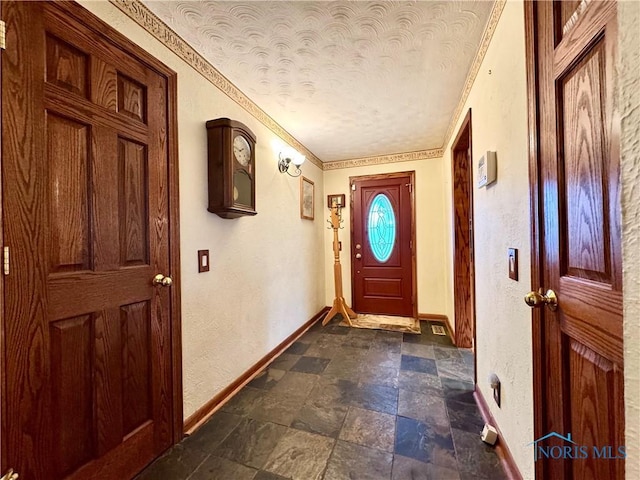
pixel 494 18
pixel 140 14
pixel 144 17
pixel 382 159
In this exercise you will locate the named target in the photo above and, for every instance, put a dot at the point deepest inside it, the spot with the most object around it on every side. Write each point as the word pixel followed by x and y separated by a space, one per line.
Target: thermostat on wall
pixel 487 169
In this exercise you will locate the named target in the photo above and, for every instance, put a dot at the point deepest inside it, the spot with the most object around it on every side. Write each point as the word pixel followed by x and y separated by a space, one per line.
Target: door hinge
pixel 3 35
pixel 5 261
pixel 353 187
pixel 410 185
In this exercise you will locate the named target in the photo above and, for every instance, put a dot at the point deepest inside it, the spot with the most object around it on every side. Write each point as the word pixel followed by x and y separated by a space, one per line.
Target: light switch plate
pixel 203 261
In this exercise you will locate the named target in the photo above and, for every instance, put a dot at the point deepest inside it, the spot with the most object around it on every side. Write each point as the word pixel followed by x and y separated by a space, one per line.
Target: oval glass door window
pixel 382 227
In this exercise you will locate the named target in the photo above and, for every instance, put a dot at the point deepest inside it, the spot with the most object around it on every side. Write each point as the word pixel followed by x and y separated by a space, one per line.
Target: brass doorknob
pixel 358 255
pixel 538 299
pixel 161 280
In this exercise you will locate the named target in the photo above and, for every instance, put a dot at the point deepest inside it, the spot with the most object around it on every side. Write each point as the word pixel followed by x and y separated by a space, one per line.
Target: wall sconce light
pixel 290 156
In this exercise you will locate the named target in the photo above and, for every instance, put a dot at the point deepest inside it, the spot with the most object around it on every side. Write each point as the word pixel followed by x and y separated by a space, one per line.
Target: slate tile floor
pixel 348 404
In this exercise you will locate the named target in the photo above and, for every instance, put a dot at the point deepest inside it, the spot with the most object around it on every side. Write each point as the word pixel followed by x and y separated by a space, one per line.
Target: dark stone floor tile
pixel 323 351
pixel 266 379
pixel 251 442
pixel 430 337
pixel 424 407
pixel 389 345
pixel 297 348
pixel 465 416
pixel 363 333
pixel 285 361
pixel 263 475
pixel 324 420
pixel 243 402
pixel 418 364
pixel 177 464
pixel 419 382
pixel 296 384
pixel 409 338
pixel 337 330
pixel 370 429
pixel 326 346
pixel 458 390
pixel 423 442
pixel 376 397
pixel 316 327
pixel 216 467
pixel 332 392
pixel 357 342
pixel 278 407
pixel 387 335
pixel 409 469
pixel 380 376
pixel 418 350
pixel 300 455
pixel 213 432
pixel 311 365
pixel 445 353
pixel 355 462
pixel 476 457
pixel 456 369
pixel 345 367
pixel 310 337
pixel 379 358
pixel 467 356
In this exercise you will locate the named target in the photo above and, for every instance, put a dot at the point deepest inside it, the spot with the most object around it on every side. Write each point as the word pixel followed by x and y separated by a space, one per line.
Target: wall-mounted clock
pixel 232 176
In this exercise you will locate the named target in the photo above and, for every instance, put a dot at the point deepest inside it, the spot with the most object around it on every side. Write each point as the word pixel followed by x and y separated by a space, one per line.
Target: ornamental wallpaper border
pixel 494 18
pixel 382 159
pixel 140 14
pixel 144 17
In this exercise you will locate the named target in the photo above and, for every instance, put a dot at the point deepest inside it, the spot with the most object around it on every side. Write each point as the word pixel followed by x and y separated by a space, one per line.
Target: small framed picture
pixel 513 264
pixel 306 198
pixel 338 198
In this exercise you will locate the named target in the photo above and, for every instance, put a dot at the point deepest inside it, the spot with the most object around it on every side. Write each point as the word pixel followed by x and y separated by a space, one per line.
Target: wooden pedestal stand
pixel 339 305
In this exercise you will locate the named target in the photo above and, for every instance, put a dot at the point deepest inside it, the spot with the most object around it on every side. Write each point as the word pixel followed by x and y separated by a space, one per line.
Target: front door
pixel 382 244
pixel 578 352
pixel 87 340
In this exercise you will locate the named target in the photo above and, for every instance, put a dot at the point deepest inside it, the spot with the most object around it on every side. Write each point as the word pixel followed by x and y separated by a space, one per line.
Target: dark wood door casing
pixel 84 235
pixel 390 287
pixel 463 261
pixel 575 198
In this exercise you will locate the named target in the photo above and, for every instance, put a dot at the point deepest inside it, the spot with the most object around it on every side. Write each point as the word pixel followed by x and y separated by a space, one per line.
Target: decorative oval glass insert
pixel 382 227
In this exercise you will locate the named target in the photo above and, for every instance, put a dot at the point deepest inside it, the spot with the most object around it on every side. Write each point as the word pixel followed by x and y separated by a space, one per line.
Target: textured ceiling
pixel 347 79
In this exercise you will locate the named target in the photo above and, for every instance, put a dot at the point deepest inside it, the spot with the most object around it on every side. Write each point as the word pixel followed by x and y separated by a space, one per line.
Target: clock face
pixel 241 150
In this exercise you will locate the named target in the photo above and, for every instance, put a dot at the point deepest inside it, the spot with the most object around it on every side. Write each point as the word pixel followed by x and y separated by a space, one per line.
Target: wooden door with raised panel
pixel 85 205
pixel 382 244
pixel 578 352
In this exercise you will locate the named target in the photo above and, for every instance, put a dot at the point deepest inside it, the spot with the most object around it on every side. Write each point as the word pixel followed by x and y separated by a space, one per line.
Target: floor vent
pixel 438 330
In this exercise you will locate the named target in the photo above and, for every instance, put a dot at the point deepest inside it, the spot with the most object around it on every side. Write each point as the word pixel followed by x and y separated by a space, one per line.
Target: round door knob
pixel 358 255
pixel 161 280
pixel 538 299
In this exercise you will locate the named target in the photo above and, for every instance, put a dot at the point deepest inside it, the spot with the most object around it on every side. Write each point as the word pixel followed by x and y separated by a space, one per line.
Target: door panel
pixel 463 263
pixel 85 184
pixel 580 344
pixel 383 277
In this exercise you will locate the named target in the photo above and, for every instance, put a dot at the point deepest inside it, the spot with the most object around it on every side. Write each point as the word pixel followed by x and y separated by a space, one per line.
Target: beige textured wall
pixel 629 98
pixel 267 271
pixel 430 225
pixel 501 219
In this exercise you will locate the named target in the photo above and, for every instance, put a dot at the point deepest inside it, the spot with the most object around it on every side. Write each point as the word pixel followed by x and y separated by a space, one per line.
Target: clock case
pixel 223 165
